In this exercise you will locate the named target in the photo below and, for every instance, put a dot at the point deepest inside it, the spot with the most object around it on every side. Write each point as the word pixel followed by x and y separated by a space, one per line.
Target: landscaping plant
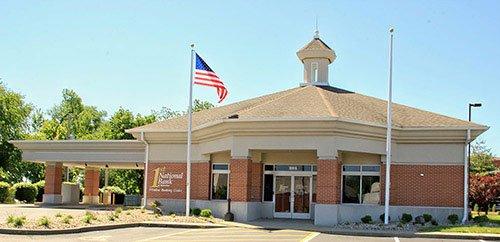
pixel 484 189
pixel 382 217
pixel 366 219
pixel 406 218
pixel 207 213
pixel 25 192
pixel 4 191
pixel 427 217
pixel 44 221
pixel 453 218
pixel 195 211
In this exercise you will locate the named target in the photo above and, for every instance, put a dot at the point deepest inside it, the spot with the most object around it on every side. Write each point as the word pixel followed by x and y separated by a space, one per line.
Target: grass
pixel 492 227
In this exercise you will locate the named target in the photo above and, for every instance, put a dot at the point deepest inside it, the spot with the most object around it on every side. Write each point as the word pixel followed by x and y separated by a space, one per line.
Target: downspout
pixel 466 177
pixel 146 162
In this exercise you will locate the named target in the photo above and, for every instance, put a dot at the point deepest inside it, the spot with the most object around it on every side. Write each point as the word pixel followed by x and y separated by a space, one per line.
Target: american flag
pixel 204 75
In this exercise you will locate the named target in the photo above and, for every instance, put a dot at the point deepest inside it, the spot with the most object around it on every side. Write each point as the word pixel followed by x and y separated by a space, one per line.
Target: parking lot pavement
pixel 142 234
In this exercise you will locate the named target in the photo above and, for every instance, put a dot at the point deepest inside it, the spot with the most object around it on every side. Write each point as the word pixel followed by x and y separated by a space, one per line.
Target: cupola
pixel 316 57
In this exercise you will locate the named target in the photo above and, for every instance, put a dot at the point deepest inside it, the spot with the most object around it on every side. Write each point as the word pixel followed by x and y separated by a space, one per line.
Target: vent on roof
pixel 234 116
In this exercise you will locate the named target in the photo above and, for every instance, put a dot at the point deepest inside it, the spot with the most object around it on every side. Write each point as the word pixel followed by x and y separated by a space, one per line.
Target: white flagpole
pixel 190 124
pixel 388 139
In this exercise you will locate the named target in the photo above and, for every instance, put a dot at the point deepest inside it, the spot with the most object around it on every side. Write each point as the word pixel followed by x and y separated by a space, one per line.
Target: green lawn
pixel 475 228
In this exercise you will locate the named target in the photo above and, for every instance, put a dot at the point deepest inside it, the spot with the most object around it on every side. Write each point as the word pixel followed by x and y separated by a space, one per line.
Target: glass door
pixel 282 196
pixel 301 197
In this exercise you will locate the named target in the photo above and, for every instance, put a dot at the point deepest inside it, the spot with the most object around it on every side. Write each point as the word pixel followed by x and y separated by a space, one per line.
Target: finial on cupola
pixel 316 56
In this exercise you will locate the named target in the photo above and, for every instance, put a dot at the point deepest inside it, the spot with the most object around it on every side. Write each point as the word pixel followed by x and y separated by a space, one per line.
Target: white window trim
pixel 212 172
pixel 293 173
pixel 359 173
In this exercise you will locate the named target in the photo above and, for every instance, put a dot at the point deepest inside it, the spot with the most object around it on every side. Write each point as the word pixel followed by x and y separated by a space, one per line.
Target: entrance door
pixel 292 197
pixel 301 197
pixel 283 196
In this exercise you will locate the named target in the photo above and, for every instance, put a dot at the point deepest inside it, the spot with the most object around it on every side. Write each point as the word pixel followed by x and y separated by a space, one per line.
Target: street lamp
pixel 467 166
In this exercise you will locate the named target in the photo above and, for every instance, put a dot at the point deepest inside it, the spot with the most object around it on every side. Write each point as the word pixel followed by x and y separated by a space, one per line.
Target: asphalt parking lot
pixel 200 235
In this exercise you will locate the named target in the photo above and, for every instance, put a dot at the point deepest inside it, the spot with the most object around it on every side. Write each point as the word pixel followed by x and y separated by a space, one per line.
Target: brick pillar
pixel 200 180
pixel 328 187
pixel 240 179
pixel 256 182
pixel 91 186
pixel 53 182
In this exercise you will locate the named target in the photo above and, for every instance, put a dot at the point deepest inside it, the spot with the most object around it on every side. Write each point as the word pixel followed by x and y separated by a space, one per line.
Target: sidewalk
pixel 308 225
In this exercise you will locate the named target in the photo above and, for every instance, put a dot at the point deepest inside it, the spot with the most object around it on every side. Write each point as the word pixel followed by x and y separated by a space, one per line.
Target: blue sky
pixel 135 54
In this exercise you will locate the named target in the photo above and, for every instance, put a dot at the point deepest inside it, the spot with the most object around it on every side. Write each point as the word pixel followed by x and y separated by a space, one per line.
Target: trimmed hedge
pixel 24 191
pixel 207 213
pixel 4 191
pixel 41 190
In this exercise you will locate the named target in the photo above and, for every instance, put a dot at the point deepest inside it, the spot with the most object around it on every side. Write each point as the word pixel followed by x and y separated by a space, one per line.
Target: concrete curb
pixel 368 233
pixel 108 227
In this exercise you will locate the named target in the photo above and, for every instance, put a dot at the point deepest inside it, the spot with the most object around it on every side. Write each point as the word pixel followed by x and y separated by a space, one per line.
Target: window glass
pixel 315 168
pixel 219 186
pixel 350 189
pixel 371 168
pixel 370 187
pixel 268 167
pixel 268 187
pixel 224 167
pixel 351 168
pixel 314 189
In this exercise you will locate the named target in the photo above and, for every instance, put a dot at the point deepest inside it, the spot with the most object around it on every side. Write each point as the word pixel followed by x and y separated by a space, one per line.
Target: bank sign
pixel 166 181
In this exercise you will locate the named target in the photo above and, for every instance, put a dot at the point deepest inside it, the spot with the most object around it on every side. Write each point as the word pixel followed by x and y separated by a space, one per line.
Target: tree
pixel 200 105
pixel 484 189
pixel 14 123
pixel 481 158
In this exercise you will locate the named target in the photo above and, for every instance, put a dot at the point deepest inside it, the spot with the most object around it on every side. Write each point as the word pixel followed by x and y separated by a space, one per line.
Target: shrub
pixel 41 189
pixel 67 219
pixel 366 219
pixel 207 213
pixel 114 190
pixel 480 219
pixel 4 191
pixel 196 211
pixel 25 192
pixel 16 221
pixel 419 220
pixel 156 207
pixel 427 217
pixel 406 218
pixel 484 189
pixel 434 222
pixel 88 217
pixel 382 217
pixel 118 210
pixel 453 218
pixel 58 215
pixel 44 221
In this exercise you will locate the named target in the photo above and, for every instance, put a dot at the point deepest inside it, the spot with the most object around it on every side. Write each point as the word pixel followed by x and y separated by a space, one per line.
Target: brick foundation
pixel 329 182
pixel 53 178
pixel 440 185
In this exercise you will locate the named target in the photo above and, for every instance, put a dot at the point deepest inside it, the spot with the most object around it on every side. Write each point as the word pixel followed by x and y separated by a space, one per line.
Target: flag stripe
pixel 205 76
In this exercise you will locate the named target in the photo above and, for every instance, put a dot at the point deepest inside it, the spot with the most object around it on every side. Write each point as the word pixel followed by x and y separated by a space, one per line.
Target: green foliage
pixel 88 217
pixel 382 217
pixel 118 210
pixel 156 206
pixel 406 218
pixel 427 217
pixel 25 192
pixel 434 222
pixel 40 185
pixel 16 221
pixel 43 221
pixel 59 215
pixel 113 189
pixel 207 213
pixel 4 191
pixel 67 219
pixel 195 211
pixel 480 219
pixel 453 218
pixel 366 219
pixel 481 158
pixel 199 105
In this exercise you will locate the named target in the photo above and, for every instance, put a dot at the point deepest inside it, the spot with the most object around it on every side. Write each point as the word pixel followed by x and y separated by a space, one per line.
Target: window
pixel 220 181
pixel 268 187
pixel 314 71
pixel 361 184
